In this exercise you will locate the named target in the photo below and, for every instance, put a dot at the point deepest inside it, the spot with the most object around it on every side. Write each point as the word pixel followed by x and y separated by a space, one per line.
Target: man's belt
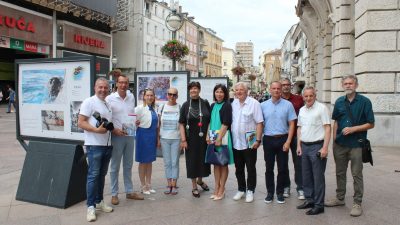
pixel 276 136
pixel 313 143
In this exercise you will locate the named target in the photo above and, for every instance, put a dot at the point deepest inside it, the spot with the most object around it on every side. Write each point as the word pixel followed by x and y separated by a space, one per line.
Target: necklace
pixel 196 113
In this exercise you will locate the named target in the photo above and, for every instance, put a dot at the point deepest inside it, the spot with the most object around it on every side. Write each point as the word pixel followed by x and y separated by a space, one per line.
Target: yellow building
pixel 211 53
pixel 272 65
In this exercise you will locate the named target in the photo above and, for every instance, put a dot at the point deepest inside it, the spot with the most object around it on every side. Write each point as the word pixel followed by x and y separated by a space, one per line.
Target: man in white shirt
pixel 98 146
pixel 122 104
pixel 313 140
pixel 246 117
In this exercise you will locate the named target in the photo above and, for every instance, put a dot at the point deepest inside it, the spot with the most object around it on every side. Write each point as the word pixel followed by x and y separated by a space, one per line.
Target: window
pixel 155 31
pixel 155 49
pixel 148 28
pixel 155 66
pixel 155 11
pixel 163 65
pixel 225 64
pixel 148 66
pixel 147 47
pixel 163 33
pixel 163 14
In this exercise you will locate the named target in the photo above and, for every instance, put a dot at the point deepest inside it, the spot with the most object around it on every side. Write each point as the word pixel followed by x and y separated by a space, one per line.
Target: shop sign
pixel 44 49
pixel 20 23
pixel 4 42
pixel 31 47
pixel 88 41
pixel 17 44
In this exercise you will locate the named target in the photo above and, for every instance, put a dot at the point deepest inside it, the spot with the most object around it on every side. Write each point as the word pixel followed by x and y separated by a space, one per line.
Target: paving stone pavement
pixel 381 197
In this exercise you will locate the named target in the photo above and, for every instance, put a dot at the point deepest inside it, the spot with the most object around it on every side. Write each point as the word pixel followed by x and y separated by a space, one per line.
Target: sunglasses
pixel 173 95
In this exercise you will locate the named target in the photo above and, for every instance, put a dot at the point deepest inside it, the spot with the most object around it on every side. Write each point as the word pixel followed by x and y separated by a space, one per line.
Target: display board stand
pixel 54 174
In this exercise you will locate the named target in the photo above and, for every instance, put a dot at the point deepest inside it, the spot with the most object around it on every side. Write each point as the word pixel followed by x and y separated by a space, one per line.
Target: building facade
pixel 191 40
pixel 44 29
pixel 272 66
pixel 228 62
pixel 212 48
pixel 245 51
pixel 361 38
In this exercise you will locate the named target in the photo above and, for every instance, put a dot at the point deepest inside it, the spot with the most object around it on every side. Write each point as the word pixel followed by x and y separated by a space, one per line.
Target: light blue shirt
pixel 277 116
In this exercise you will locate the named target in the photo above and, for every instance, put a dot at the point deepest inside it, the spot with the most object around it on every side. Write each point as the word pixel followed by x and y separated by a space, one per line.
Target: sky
pixel 264 22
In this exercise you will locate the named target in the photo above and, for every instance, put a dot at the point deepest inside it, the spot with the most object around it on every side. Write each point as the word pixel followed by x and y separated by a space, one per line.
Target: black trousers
pixel 245 158
pixel 273 148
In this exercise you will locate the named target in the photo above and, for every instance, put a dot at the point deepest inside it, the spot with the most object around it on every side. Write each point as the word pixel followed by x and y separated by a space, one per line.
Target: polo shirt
pixel 277 116
pixel 121 108
pixel 361 109
pixel 311 122
pixel 88 107
pixel 245 118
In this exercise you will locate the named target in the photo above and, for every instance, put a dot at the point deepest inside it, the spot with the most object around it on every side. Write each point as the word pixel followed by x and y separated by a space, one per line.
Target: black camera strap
pixel 353 123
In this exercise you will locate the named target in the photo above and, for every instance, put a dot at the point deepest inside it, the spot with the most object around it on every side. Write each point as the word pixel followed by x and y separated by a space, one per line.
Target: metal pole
pixel 173 60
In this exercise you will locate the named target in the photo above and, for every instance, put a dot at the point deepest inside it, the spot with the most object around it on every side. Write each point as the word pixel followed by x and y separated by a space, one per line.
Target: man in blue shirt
pixel 11 99
pixel 279 121
pixel 352 116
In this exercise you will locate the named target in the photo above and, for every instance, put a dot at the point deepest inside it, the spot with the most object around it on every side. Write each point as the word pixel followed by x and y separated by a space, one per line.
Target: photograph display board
pixel 50 94
pixel 208 84
pixel 160 82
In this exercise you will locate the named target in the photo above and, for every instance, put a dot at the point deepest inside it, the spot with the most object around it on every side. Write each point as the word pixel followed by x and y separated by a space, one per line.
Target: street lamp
pixel 114 61
pixel 174 22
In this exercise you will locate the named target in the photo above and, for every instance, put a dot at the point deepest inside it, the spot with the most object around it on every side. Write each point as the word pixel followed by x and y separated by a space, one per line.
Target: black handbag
pixel 364 143
pixel 219 158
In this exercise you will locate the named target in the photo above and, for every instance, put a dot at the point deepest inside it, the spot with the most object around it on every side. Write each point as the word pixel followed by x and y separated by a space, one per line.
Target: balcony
pixel 203 54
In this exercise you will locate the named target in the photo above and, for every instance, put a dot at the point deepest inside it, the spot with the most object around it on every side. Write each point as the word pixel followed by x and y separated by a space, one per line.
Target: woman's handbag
pixel 215 157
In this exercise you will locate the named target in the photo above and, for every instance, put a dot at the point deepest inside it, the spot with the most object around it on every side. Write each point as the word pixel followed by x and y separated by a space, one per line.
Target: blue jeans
pixel 98 160
pixel 171 153
pixel 9 106
pixel 122 149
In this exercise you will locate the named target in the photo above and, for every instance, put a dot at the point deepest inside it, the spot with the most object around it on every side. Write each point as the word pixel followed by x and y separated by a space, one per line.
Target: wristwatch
pixel 258 141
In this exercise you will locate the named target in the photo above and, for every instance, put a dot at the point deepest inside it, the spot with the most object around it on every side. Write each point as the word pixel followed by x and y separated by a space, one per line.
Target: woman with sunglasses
pixel 169 139
pixel 194 119
pixel 146 139
pixel 221 120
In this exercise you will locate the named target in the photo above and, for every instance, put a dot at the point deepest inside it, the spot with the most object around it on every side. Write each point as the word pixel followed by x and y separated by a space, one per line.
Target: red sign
pixel 20 23
pixel 88 41
pixel 31 47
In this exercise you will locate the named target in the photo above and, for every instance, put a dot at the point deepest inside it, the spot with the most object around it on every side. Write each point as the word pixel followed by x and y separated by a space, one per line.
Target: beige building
pixel 272 66
pixel 361 38
pixel 245 51
pixel 211 52
pixel 191 61
pixel 228 62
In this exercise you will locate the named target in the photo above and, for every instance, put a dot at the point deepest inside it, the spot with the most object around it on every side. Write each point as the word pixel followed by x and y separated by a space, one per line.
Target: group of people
pixel 284 122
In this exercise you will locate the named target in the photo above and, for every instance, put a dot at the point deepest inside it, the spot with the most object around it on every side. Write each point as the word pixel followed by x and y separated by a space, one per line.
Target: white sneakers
pixel 91 211
pixel 104 207
pixel 91 214
pixel 301 195
pixel 286 192
pixel 249 196
pixel 238 195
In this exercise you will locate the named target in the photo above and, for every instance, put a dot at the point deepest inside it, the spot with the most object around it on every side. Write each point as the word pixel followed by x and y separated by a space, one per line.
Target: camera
pixel 100 120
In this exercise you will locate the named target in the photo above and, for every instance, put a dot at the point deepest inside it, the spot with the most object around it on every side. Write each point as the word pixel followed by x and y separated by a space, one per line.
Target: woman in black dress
pixel 193 122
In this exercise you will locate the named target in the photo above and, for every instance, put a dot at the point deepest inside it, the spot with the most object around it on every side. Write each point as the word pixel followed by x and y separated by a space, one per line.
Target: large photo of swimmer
pixel 43 86
pixel 52 120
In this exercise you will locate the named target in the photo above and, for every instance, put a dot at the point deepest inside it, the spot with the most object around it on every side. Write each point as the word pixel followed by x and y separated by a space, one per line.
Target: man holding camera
pixel 98 145
pixel 122 103
pixel 313 136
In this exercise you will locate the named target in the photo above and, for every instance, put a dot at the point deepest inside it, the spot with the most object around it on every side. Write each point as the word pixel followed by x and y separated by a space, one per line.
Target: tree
pixel 252 77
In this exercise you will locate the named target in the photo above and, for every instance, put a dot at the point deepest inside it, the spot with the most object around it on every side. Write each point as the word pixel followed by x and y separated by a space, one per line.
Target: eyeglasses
pixel 173 95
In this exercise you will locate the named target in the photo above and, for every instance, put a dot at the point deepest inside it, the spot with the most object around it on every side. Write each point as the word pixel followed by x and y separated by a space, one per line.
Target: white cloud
pixel 264 22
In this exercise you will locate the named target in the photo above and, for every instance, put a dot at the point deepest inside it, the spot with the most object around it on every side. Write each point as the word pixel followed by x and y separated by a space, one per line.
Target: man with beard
pixel 352 116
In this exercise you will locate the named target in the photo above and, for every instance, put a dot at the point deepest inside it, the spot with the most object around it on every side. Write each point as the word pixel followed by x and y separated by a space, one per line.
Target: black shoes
pixel 269 198
pixel 315 211
pixel 305 205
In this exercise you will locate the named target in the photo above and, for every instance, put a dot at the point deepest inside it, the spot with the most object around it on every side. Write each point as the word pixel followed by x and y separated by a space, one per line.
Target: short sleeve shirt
pixel 169 115
pixel 88 107
pixel 361 109
pixel 277 116
pixel 311 122
pixel 245 117
pixel 121 108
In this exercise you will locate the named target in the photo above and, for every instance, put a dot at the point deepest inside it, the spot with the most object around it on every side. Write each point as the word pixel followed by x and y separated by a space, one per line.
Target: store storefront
pixel 24 34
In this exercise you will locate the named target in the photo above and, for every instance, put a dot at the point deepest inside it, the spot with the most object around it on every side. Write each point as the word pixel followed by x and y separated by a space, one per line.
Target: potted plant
pixel 238 71
pixel 175 50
